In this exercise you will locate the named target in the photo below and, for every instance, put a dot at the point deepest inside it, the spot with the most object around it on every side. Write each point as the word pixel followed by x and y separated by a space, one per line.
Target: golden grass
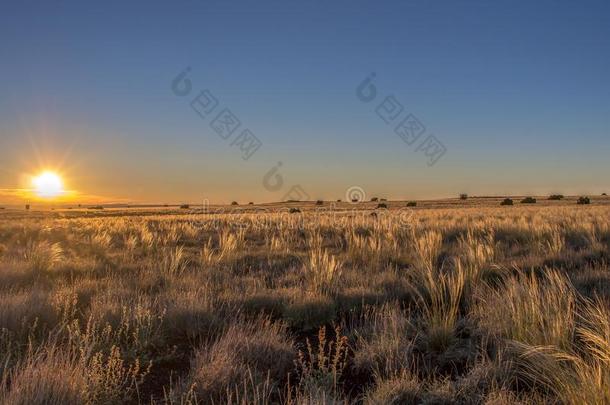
pixel 489 305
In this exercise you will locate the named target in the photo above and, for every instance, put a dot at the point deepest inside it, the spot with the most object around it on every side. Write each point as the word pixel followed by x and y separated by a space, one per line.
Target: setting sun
pixel 48 185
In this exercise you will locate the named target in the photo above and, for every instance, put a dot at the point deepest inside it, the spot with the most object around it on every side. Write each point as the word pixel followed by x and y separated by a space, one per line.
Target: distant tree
pixel 507 201
pixel 604 194
pixel 185 207
pixel 583 201
pixel 319 202
pixel 234 203
pixel 294 210
pixel 556 197
pixel 463 196
pixel 528 200
pixel 250 203
pixel 382 205
pixel 412 204
pixel 374 199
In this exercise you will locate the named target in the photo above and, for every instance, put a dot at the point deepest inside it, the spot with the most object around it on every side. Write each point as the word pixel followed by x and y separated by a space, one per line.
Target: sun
pixel 48 185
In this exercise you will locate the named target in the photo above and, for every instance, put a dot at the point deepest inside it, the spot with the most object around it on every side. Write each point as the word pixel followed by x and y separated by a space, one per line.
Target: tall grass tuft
pixel 323 271
pixel 538 311
pixel 42 255
pixel 438 296
pixel 428 248
pixel 173 261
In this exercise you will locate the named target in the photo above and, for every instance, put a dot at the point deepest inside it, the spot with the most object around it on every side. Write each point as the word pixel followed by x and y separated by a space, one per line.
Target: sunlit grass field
pixel 448 302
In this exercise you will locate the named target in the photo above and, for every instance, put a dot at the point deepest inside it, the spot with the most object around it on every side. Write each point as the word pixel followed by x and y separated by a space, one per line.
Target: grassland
pixel 448 302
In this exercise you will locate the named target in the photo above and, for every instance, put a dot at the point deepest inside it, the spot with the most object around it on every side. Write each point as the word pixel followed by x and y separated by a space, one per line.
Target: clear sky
pixel 517 93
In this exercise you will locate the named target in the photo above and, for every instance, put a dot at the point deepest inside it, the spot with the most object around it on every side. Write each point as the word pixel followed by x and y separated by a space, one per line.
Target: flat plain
pixel 452 301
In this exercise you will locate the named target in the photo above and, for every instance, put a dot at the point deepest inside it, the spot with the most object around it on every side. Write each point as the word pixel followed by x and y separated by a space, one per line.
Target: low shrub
pixel 234 203
pixel 294 210
pixel 319 202
pixel 507 201
pixel 382 205
pixel 528 200
pixel 556 197
pixel 463 196
pixel 412 204
pixel 310 311
pixel 374 199
pixel 384 343
pixel 583 201
pixel 401 389
pixel 185 207
pixel 248 351
pixel 270 303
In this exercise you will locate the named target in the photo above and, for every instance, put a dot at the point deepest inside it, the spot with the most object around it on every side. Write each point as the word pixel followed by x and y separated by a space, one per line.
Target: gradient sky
pixel 517 91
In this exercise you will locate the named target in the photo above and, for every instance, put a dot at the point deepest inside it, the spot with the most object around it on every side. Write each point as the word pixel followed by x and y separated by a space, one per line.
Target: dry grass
pixel 481 305
pixel 537 310
pixel 256 353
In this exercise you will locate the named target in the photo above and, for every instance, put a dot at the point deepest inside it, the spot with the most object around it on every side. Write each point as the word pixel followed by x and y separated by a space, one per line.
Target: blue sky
pixel 517 92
